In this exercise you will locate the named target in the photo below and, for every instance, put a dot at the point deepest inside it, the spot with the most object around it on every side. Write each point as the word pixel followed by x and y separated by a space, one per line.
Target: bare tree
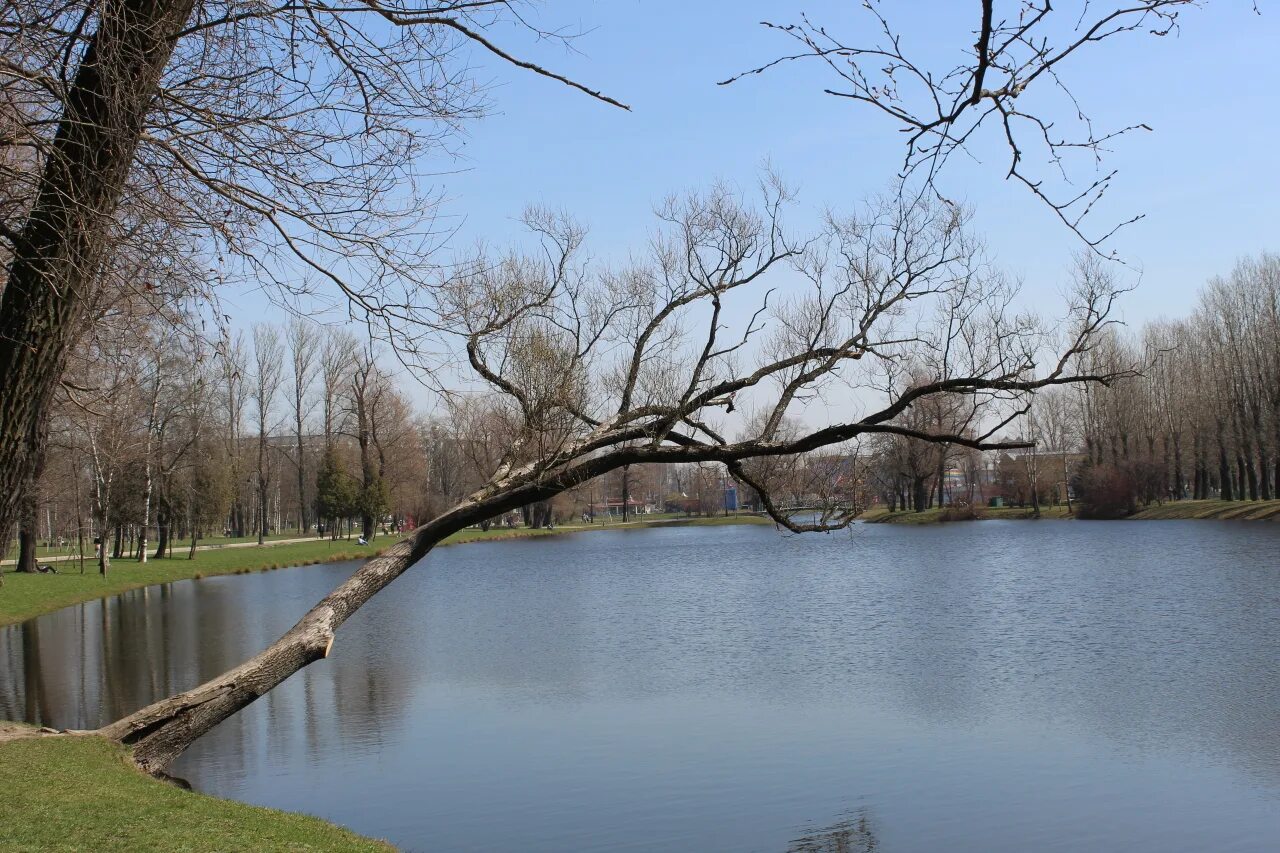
pixel 1203 420
pixel 1023 49
pixel 593 371
pixel 108 421
pixel 338 356
pixel 234 364
pixel 367 390
pixel 133 102
pixel 304 345
pixel 268 375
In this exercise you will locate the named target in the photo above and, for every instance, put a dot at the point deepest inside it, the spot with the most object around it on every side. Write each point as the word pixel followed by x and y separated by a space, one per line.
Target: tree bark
pixel 163 523
pixel 1224 473
pixel 29 514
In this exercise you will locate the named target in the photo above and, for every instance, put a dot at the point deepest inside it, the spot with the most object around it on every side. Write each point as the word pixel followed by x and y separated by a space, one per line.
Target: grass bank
pixel 25 596
pixel 81 793
pixel 880 515
pixel 1211 509
pixel 69 549
pixel 1222 510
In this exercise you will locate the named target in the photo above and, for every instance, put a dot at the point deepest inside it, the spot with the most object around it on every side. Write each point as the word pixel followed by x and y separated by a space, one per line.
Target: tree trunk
pixel 920 497
pixel 1264 473
pixel 1243 478
pixel 303 526
pixel 58 252
pixel 79 523
pixel 261 520
pixel 162 530
pixel 626 493
pixel 1224 474
pixel 104 557
pixel 26 542
pixel 149 485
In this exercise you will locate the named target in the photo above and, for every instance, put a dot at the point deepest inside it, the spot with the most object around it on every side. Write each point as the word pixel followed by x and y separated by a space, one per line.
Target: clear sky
pixel 1207 178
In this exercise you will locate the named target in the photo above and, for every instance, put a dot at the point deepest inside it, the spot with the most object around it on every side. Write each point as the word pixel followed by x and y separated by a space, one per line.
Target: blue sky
pixel 1206 178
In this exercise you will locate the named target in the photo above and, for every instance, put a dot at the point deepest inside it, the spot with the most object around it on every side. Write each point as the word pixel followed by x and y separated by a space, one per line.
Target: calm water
pixel 995 686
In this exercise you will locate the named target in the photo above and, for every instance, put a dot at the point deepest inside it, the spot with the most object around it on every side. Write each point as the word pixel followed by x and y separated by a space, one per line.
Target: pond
pixel 1001 685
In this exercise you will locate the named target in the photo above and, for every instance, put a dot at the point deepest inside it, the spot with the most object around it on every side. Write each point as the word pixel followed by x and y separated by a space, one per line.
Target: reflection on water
pixel 994 686
pixel 847 836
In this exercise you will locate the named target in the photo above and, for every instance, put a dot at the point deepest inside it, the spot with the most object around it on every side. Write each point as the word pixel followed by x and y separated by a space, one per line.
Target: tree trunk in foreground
pixel 59 251
pixel 161 732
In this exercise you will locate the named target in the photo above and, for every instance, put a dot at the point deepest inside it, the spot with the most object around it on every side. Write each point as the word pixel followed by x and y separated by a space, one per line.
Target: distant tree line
pixel 1203 418
pixel 1193 415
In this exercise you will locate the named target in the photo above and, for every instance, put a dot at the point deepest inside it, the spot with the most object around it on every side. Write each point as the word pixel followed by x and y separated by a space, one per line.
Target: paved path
pixel 565 527
pixel 181 547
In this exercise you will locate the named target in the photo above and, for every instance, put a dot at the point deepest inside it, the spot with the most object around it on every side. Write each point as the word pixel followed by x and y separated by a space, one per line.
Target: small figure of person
pixel 362 541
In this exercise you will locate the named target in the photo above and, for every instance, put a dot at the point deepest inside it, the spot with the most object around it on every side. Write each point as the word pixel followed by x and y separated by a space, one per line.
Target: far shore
pixel 26 596
pixel 1170 510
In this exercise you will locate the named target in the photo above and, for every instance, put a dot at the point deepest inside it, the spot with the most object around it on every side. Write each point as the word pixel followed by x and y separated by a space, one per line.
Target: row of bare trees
pixel 160 434
pixel 1198 418
pixel 1203 420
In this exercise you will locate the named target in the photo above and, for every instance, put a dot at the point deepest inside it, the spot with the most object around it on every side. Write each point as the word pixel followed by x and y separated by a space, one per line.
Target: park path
pixel 88 557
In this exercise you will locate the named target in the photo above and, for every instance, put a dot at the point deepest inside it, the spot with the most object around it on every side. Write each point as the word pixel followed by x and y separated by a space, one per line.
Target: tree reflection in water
pixel 852 835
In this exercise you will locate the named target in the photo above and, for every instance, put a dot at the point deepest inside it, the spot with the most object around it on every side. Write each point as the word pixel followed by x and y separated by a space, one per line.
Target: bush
pixel 960 510
pixel 1105 491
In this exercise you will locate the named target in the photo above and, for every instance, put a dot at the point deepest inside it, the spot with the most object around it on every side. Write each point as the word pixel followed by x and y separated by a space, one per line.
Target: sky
pixel 1206 178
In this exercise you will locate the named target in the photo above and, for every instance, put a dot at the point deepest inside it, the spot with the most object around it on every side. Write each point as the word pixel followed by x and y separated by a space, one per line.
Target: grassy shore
pixel 1222 510
pixel 1213 509
pixel 25 596
pixel 880 515
pixel 70 549
pixel 81 793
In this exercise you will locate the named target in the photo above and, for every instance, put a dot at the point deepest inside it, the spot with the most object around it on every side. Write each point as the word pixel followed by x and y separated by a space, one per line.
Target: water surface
pixel 970 687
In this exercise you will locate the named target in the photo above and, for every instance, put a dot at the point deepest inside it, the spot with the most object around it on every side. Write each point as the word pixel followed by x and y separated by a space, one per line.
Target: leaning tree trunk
pixel 59 250
pixel 162 731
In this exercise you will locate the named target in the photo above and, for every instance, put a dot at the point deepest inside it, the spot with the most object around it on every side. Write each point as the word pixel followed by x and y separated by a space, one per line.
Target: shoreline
pixel 28 596
pixel 1206 510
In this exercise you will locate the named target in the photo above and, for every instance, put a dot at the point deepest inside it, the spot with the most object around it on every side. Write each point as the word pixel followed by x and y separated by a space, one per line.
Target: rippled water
pixel 992 686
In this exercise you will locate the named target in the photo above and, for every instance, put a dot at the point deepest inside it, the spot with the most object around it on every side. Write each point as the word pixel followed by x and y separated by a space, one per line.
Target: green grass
pixel 81 793
pixel 1213 509
pixel 24 596
pixel 880 515
pixel 70 550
